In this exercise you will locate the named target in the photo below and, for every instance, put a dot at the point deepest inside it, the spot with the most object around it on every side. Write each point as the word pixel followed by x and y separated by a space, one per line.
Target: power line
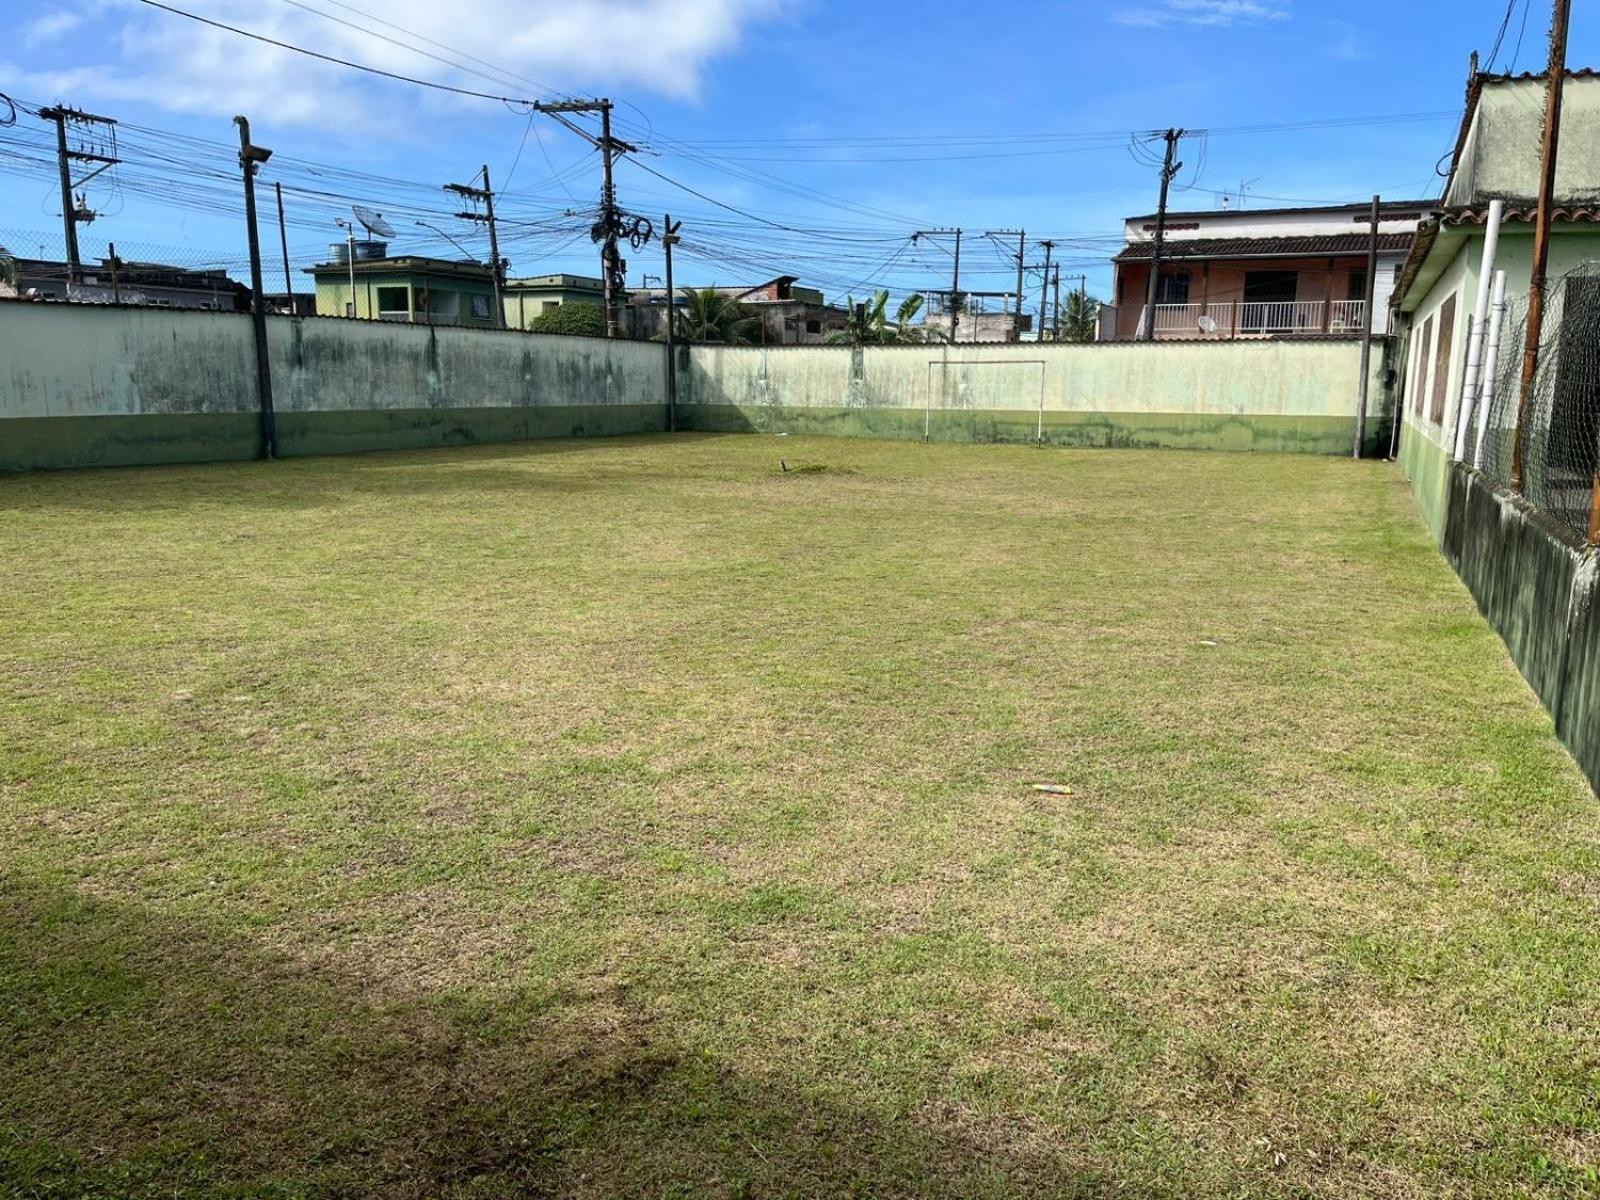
pixel 342 62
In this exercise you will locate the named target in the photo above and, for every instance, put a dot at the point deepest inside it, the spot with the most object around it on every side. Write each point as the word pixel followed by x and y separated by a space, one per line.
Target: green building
pixel 527 298
pixel 433 291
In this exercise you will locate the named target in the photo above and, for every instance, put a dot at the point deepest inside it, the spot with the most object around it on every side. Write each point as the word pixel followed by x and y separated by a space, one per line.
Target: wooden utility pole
pixel 1366 331
pixel 1560 22
pixel 669 239
pixel 250 159
pixel 1169 170
pixel 496 269
pixel 72 212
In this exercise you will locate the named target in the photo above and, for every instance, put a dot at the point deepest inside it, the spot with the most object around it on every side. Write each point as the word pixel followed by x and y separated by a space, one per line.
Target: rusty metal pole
pixel 1554 84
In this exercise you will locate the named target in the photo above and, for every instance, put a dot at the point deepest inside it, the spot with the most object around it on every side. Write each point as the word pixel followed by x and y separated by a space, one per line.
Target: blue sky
pixel 836 130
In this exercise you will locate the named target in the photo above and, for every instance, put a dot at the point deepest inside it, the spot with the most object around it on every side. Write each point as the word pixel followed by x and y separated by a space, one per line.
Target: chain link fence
pixel 1561 426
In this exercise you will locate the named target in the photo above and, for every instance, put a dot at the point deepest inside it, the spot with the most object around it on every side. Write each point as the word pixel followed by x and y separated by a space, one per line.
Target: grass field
pixel 633 818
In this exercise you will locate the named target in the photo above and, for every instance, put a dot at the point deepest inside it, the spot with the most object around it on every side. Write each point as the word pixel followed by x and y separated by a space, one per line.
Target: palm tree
pixel 1080 321
pixel 711 316
pixel 868 323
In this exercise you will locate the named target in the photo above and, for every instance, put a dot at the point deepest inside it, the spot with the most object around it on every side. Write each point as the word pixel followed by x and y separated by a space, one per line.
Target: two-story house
pixel 1265 272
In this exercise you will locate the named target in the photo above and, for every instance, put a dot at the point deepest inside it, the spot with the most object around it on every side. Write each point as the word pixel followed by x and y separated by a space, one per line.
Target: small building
pixel 426 291
pixel 527 298
pixel 149 284
pixel 1268 272
pixel 790 315
pixel 1496 157
pixel 977 322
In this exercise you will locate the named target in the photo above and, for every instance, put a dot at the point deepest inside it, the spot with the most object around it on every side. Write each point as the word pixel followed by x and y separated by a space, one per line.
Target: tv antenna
pixel 373 221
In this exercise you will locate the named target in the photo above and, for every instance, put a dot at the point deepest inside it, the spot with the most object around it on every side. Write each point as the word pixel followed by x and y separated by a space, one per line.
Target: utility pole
pixel 1055 331
pixel 669 239
pixel 613 271
pixel 1022 248
pixel 283 240
pixel 1559 24
pixel 955 276
pixel 116 287
pixel 1044 289
pixel 1169 170
pixel 250 159
pixel 607 231
pixel 1366 331
pixel 496 271
pixel 76 211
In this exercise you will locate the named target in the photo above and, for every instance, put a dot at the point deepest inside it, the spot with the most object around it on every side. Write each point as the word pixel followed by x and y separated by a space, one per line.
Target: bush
pixel 588 320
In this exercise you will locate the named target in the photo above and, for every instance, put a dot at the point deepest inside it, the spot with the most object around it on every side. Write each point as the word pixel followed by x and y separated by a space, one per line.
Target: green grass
pixel 635 818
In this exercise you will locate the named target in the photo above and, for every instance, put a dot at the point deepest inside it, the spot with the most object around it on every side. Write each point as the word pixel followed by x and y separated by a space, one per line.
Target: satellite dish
pixel 373 221
pixel 1207 324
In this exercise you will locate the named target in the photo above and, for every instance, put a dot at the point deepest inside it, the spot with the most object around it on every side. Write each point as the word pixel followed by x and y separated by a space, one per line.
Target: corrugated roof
pixel 1310 246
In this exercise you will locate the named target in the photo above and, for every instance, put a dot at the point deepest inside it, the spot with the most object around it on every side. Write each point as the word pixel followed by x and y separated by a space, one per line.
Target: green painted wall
pixel 1427 465
pixel 93 386
pixel 1282 396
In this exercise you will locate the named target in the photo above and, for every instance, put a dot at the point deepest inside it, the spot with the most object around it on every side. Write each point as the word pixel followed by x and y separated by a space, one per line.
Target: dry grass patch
pixel 633 818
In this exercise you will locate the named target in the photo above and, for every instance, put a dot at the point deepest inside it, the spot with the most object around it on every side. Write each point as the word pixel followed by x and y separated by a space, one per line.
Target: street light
pixel 350 260
pixel 471 257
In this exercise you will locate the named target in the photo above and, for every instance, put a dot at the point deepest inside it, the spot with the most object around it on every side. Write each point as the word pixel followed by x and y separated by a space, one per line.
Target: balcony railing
pixel 1258 318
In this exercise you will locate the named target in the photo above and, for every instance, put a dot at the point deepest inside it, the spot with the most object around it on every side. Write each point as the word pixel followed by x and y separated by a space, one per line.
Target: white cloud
pixel 51 26
pixel 1214 13
pixel 659 47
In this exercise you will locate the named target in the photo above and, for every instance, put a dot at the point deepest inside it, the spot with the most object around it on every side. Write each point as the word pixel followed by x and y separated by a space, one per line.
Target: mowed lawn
pixel 635 818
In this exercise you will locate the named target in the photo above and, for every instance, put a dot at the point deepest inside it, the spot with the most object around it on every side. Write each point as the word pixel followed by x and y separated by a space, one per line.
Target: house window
pixel 813 326
pixel 1441 359
pixel 1419 379
pixel 394 304
pixel 480 308
pixel 1173 289
pixel 546 305
pixel 1358 285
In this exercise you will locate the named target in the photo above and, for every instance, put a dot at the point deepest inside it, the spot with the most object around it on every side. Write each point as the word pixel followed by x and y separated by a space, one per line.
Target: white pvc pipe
pixel 1491 360
pixel 1480 311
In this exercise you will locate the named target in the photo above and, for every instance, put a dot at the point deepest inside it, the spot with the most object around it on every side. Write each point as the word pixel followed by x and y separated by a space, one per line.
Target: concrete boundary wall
pixel 103 386
pixel 1535 582
pixel 1295 395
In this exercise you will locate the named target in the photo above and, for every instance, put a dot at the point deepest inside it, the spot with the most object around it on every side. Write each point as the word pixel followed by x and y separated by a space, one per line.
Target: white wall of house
pixel 1500 155
pixel 1243 223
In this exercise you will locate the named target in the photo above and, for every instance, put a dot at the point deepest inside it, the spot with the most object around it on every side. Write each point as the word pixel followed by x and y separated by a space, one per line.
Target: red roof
pixel 1309 246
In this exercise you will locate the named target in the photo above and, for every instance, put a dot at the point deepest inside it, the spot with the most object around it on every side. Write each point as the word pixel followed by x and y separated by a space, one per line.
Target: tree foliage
pixel 1080 318
pixel 587 320
pixel 709 316
pixel 868 322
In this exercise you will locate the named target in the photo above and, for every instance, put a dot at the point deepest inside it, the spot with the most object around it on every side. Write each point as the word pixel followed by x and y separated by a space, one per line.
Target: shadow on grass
pixel 295 484
pixel 151 1056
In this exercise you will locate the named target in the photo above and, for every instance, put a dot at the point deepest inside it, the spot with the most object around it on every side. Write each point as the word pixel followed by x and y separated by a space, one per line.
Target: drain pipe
pixel 1480 311
pixel 1491 361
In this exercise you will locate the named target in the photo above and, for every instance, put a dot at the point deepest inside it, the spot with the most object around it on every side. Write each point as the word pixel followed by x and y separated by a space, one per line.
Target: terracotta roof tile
pixel 1523 212
pixel 1310 246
